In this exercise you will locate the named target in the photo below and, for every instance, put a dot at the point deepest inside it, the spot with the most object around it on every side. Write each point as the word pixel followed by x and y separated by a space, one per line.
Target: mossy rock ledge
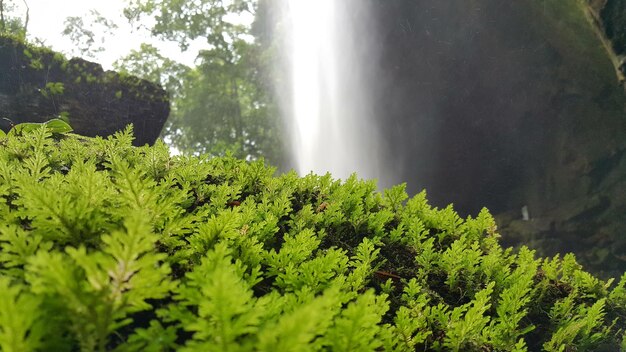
pixel 37 84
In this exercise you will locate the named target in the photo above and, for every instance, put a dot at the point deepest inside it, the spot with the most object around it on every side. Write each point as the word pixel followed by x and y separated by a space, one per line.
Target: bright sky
pixel 47 18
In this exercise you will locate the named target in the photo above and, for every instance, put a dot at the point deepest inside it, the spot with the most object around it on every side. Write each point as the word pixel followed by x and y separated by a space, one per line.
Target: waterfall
pixel 331 66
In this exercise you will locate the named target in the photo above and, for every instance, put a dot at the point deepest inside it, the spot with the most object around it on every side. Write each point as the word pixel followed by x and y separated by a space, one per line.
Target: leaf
pixel 58 126
pixel 357 328
pixel 24 127
pixel 20 328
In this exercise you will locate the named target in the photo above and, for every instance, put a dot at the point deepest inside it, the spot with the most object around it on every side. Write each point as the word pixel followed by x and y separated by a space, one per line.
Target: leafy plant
pixel 106 246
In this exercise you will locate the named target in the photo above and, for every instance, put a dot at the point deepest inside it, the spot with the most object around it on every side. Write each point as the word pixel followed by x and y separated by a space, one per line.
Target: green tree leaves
pixel 11 20
pixel 88 33
pixel 223 103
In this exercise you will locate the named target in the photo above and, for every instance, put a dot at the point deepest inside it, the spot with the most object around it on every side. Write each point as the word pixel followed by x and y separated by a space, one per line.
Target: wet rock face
pixel 510 104
pixel 613 14
pixel 490 96
pixel 466 93
pixel 38 84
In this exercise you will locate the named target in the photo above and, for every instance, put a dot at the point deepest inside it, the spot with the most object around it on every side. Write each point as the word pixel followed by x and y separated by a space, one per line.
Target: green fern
pixel 21 327
pixel 106 246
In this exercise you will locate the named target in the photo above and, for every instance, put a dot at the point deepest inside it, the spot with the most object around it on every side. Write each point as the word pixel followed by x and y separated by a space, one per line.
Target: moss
pixel 565 26
pixel 109 246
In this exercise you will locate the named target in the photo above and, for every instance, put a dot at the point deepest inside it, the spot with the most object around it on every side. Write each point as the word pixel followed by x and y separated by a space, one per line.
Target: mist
pixel 457 97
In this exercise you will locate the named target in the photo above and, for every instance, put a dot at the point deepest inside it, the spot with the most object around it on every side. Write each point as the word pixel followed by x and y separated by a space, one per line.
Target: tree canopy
pixel 10 20
pixel 222 104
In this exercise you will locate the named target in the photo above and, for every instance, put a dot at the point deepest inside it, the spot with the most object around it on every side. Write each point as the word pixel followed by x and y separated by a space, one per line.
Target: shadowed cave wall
pixel 505 105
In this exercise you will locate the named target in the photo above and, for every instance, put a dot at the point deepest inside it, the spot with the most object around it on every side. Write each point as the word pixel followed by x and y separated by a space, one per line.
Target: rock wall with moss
pixel 573 185
pixel 608 20
pixel 37 84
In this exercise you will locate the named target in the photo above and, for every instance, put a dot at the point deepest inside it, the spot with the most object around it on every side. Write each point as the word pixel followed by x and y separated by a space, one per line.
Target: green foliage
pixel 224 103
pixel 19 317
pixel 88 33
pixel 105 246
pixel 12 19
pixel 53 88
pixel 148 63
pixel 53 126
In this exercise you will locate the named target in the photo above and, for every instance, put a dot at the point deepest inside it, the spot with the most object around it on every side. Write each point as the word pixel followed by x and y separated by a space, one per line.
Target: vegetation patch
pixel 106 246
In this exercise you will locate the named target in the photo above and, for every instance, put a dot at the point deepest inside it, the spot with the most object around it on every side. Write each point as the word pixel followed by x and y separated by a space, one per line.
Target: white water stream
pixel 329 106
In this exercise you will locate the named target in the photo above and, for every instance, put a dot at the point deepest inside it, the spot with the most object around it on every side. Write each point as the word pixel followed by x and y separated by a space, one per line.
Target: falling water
pixel 329 105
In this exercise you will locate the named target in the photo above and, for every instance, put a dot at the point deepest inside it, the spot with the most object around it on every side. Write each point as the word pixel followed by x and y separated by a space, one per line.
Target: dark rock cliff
pixel 511 105
pixel 37 84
